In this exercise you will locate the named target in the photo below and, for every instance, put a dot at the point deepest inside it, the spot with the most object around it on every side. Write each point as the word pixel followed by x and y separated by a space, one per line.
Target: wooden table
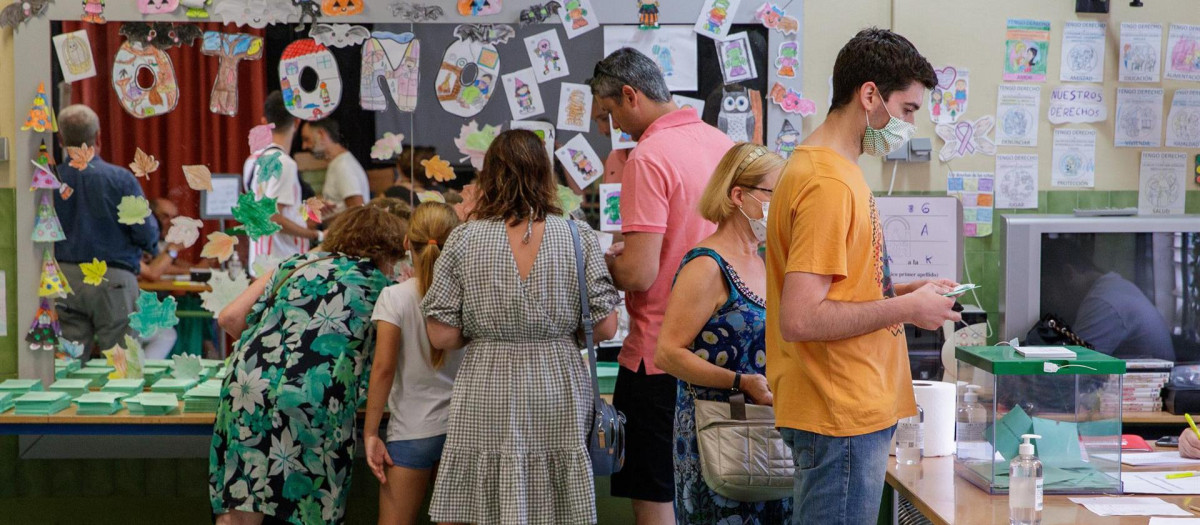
pixel 1152 418
pixel 943 497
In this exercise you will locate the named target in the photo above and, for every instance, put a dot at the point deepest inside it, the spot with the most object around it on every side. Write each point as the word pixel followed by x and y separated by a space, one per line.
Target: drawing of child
pixel 935 103
pixel 960 93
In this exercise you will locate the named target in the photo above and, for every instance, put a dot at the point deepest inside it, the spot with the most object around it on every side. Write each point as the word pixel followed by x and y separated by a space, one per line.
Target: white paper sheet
pixel 1073 163
pixel 1017 181
pixel 1139 118
pixel 610 207
pixel 581 161
pixel 1140 52
pixel 524 96
pixel 547 56
pixel 575 107
pixel 716 17
pixel 948 99
pixel 544 131
pixel 1183 52
pixel 1126 506
pixel 1017 110
pixel 578 17
pixel 1157 483
pixel 74 52
pixel 1174 521
pixel 1083 51
pixel 1183 122
pixel 673 48
pixel 737 59
pixel 1077 103
pixel 1163 183
pixel 689 102
pixel 1150 459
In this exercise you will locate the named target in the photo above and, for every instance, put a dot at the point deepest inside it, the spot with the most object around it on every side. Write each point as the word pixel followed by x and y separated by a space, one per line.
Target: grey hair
pixel 629 67
pixel 78 125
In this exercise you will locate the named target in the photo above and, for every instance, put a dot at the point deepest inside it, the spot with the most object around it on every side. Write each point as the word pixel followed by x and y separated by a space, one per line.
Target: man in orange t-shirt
pixel 837 361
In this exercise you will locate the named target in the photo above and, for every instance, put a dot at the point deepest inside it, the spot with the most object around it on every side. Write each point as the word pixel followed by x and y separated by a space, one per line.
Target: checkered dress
pixel 515 449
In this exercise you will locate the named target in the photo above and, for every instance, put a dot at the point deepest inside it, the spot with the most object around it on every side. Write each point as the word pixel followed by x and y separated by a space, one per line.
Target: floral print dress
pixel 283 443
pixel 733 338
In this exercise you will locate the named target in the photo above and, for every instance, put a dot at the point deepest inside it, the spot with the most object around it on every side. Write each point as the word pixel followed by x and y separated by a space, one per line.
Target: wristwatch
pixel 737 382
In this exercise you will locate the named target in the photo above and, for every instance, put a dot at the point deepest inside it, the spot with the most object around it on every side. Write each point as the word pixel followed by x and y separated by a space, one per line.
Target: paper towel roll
pixel 937 400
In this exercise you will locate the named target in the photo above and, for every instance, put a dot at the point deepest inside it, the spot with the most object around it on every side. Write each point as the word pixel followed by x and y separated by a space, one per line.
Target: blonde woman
pixel 713 337
pixel 418 397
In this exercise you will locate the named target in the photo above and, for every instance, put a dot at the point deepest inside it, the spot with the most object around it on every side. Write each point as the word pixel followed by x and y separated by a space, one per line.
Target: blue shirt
pixel 1118 319
pixel 89 218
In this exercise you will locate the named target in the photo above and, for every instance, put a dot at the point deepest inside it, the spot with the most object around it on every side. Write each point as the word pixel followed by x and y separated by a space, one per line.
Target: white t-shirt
pixel 345 178
pixel 420 398
pixel 285 189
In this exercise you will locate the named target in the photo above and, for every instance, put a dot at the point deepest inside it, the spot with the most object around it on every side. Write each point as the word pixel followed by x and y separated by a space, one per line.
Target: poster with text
pixel 1183 52
pixel 673 48
pixel 1017 109
pixel 1026 50
pixel 1083 51
pixel 1017 181
pixel 975 189
pixel 1140 53
pixel 1139 118
pixel 1077 103
pixel 1162 183
pixel 1183 122
pixel 1073 162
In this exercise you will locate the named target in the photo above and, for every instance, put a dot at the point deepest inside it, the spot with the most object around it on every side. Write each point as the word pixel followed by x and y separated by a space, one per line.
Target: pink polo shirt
pixel 661 186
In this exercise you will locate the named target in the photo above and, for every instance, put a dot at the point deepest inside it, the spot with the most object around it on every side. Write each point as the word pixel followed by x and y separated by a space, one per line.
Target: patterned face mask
pixel 880 142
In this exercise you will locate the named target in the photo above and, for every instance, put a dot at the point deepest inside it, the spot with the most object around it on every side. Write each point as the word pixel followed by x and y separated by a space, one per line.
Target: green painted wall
pixel 8 265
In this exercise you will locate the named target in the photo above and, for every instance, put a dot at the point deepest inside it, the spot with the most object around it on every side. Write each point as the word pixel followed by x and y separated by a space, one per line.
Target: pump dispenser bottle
pixel 970 422
pixel 1025 485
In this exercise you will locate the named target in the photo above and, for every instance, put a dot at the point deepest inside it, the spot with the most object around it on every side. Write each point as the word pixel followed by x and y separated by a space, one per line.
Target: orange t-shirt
pixel 823 221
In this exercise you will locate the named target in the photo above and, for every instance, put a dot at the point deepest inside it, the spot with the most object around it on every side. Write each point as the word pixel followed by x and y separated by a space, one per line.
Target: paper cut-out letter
pixel 231 48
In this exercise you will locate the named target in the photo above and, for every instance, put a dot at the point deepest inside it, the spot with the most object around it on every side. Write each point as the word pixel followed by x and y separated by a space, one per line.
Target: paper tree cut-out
pixel 388 147
pixel 224 290
pixel 187 366
pixel 219 246
pixel 255 215
pixel 53 282
pixel 94 272
pixel 81 156
pixel 231 48
pixel 185 231
pixel 43 178
pixel 269 166
pixel 44 333
pixel 152 315
pixel 133 209
pixel 127 361
pixel 198 177
pixel 260 137
pixel 143 164
pixel 438 169
pixel 46 227
pixel 966 138
pixel 41 115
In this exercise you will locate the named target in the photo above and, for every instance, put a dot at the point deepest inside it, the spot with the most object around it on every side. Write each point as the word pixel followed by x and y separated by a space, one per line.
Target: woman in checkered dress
pixel 506 287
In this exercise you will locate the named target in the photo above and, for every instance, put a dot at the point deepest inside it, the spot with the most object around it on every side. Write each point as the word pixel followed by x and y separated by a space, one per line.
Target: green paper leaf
pixel 187 366
pixel 133 209
pixel 255 215
pixel 269 166
pixel 152 315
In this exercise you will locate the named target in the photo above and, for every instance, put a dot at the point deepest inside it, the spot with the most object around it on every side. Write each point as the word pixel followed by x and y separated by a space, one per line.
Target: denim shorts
pixel 420 454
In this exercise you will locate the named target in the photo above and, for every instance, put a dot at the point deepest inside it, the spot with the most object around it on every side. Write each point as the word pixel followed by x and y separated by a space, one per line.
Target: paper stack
pixel 203 398
pixel 151 404
pixel 6 401
pixel 42 403
pixel 171 385
pixel 63 367
pixel 153 373
pixel 212 364
pixel 97 375
pixel 98 403
pixel 16 387
pixel 157 363
pixel 221 373
pixel 73 387
pixel 125 387
pixel 1143 384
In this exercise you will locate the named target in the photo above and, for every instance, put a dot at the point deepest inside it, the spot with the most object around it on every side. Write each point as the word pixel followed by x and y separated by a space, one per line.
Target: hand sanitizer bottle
pixel 970 422
pixel 1025 485
pixel 910 438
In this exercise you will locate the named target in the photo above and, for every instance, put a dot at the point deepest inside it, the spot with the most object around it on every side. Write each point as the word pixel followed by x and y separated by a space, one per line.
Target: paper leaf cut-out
pixel 93 272
pixel 18 12
pixel 470 197
pixel 230 48
pixel 224 290
pixel 388 147
pixel 473 142
pixel 46 227
pixel 133 209
pixel 185 231
pixel 44 333
pixel 339 35
pixel 269 166
pixel 966 138
pixel 127 361
pixel 143 164
pixel 53 282
pixel 152 315
pixel 260 137
pixel 198 177
pixel 219 246
pixel 311 210
pixel 416 12
pixel 264 264
pixel 255 215
pixel 254 13
pixel 430 196
pixel 568 200
pixel 68 349
pixel 81 156
pixel 41 115
pixel 187 366
pixel 438 169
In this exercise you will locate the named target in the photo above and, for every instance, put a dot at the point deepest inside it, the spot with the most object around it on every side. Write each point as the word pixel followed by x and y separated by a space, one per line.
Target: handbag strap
pixel 737 406
pixel 585 311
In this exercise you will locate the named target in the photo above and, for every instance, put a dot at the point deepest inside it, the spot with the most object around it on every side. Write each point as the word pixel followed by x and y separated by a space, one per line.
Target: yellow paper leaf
pixel 438 169
pixel 143 165
pixel 219 246
pixel 198 177
pixel 93 272
pixel 81 156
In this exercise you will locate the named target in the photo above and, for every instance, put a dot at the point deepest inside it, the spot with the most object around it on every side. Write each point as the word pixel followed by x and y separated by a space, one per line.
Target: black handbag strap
pixel 585 311
pixel 737 406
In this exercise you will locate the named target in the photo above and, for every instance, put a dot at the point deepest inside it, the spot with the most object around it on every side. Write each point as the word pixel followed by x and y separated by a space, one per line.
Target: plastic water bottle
pixel 234 266
pixel 910 438
pixel 1025 485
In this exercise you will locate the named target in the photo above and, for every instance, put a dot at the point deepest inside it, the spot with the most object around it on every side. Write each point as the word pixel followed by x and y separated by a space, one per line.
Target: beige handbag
pixel 742 455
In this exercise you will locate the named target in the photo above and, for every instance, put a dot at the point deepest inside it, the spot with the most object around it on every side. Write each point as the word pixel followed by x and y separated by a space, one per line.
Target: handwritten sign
pixel 1075 103
pixel 923 236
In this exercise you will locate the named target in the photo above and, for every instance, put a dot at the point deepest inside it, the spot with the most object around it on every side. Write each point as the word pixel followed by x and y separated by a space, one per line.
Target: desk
pixel 1152 418
pixel 945 498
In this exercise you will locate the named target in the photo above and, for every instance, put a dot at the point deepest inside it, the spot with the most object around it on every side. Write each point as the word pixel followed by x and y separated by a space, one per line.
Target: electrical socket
pixel 1091 6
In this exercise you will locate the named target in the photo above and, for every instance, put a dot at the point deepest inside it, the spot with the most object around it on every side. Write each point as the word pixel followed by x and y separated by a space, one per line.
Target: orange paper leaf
pixel 81 156
pixel 143 165
pixel 198 177
pixel 219 246
pixel 438 169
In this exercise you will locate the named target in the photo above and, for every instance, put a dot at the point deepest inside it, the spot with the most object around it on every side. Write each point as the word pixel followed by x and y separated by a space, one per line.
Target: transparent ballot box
pixel 1074 404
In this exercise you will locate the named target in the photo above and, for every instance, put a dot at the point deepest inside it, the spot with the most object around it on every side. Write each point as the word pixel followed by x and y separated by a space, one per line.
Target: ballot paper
pixel 1108 506
pixel 1174 521
pixel 1158 483
pixel 1150 459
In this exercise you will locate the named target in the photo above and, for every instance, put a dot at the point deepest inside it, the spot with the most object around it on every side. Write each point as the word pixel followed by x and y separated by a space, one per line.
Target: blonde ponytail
pixel 428 229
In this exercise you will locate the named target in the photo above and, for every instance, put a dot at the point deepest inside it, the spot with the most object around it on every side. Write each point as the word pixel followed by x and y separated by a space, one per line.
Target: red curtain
pixel 190 134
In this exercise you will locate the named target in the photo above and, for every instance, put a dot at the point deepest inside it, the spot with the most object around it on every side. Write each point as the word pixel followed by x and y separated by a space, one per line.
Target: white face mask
pixel 758 226
pixel 880 142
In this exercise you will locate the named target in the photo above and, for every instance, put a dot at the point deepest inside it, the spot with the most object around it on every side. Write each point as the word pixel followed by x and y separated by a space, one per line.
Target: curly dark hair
pixel 367 232
pixel 880 56
pixel 516 182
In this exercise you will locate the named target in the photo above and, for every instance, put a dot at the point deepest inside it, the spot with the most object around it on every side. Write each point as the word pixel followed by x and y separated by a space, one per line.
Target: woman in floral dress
pixel 712 336
pixel 283 443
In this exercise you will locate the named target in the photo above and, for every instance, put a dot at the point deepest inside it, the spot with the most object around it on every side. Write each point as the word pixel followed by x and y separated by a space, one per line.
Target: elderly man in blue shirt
pixel 97 315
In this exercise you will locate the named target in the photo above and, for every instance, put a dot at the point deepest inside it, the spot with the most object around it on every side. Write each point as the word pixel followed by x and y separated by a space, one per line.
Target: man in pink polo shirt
pixel 661 185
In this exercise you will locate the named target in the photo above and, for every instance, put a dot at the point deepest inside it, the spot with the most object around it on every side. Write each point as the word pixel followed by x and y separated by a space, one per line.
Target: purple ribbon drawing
pixel 965 132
